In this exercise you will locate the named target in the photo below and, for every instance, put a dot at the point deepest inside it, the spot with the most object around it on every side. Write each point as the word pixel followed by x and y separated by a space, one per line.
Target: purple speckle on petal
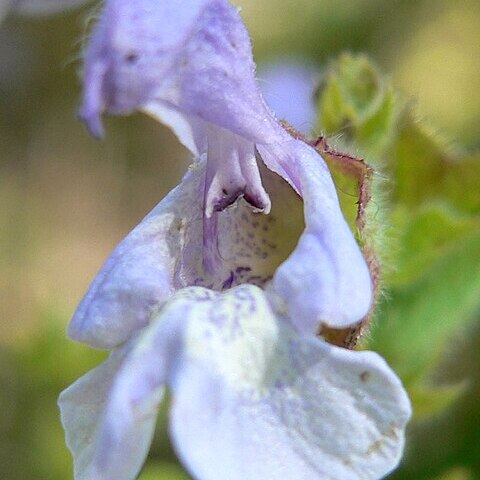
pixel 228 282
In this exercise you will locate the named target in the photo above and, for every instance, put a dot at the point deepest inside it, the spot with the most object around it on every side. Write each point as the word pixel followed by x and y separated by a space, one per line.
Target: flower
pixel 252 399
pixel 218 293
pixel 190 65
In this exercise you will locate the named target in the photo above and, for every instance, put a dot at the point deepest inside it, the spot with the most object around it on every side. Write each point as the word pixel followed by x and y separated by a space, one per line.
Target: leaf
pixel 461 184
pixel 420 317
pixel 425 167
pixel 424 236
pixel 357 103
pixel 376 132
pixel 452 441
pixel 332 115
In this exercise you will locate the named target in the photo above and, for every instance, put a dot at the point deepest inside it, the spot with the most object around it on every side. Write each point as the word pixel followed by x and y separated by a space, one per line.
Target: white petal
pixel 254 401
pixel 109 415
pixel 82 406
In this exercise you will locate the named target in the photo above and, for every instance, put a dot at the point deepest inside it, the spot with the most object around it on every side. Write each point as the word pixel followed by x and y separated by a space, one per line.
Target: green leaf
pixel 425 167
pixel 424 236
pixel 416 323
pixel 333 118
pixel 461 185
pixel 375 134
pixel 357 103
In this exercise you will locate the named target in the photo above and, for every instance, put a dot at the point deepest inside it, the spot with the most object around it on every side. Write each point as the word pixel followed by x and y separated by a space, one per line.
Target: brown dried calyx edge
pixel 358 169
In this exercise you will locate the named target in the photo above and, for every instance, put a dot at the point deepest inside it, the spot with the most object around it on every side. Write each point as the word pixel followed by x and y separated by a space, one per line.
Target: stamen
pixel 231 173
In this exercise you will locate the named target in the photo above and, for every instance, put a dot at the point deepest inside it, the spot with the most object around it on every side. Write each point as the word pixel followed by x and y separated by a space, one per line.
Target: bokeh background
pixel 66 200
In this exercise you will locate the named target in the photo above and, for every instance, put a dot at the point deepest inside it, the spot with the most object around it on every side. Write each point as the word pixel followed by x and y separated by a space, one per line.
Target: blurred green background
pixel 66 200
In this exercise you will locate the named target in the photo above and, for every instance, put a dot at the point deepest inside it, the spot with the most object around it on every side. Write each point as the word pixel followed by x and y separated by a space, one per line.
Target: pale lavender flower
pixel 190 65
pixel 219 291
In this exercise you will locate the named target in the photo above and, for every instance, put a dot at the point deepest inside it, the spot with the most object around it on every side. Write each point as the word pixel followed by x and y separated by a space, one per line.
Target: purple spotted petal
pixel 109 414
pixel 170 250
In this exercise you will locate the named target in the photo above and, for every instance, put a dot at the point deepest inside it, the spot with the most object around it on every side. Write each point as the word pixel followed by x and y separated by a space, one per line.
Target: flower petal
pixel 109 415
pixel 190 131
pixel 82 406
pixel 326 279
pixel 166 252
pixel 193 58
pixel 253 400
pixel 200 81
pixel 139 274
pixel 232 172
